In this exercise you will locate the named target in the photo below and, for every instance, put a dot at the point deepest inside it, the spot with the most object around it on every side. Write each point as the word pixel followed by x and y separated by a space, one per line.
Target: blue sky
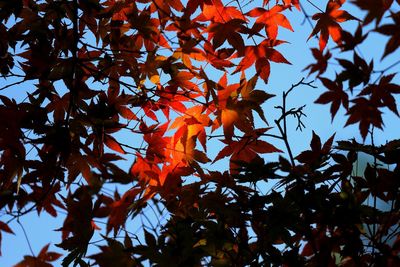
pixel 40 230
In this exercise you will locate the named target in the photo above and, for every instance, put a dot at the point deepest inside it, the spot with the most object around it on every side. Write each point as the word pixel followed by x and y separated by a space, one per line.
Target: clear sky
pixel 40 230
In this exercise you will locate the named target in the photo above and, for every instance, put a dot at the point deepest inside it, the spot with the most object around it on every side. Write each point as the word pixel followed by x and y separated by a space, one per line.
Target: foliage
pixel 100 72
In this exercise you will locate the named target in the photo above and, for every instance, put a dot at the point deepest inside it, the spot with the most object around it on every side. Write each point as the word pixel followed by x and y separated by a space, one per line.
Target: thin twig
pixel 26 237
pixel 12 84
pixel 314 5
pixel 283 130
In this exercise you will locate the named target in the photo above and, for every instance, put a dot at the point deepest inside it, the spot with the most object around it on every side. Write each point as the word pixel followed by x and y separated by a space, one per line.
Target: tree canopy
pixel 86 84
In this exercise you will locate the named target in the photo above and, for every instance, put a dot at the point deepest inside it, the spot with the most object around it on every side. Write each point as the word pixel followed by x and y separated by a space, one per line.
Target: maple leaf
pixel 229 31
pixel 270 20
pixel 217 12
pixel 382 93
pixel 42 260
pixel 49 196
pixel 144 171
pixel 154 136
pixel 245 150
pixel 148 29
pixel 113 144
pixel 193 122
pixel 322 61
pixel 336 95
pixel 229 112
pixel 114 254
pixel 252 99
pixel 192 6
pixel 318 154
pixel 350 41
pixel 228 119
pixel 79 205
pixel 126 113
pixel 392 30
pixel 295 3
pixel 375 8
pixel 328 23
pixel 186 28
pixel 183 79
pixel 164 7
pixel 171 99
pixel 150 66
pixel 260 56
pixel 356 73
pixel 218 60
pixel 120 208
pixel 170 180
pixel 235 104
pixel 365 112
pixel 165 52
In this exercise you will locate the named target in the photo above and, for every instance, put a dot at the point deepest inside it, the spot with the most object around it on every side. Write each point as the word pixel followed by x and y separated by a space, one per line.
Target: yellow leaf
pixel 19 174
pixel 201 242
pixel 155 79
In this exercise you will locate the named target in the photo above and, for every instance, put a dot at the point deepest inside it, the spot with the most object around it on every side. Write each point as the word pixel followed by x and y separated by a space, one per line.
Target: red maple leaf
pixel 261 55
pixel 365 112
pixel 154 136
pixel 328 23
pixel 120 209
pixel 375 8
pixel 217 12
pixel 229 31
pixel 270 20
pixel 295 3
pixel 382 93
pixel 113 144
pixel 335 94
pixel 392 30
pixel 245 150
pixel 42 260
pixel 322 61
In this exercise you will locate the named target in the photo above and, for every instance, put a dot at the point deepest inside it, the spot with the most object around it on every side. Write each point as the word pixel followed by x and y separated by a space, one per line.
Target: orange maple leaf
pixel 145 172
pixel 270 20
pixel 235 104
pixel 193 123
pixel 190 127
pixel 217 12
pixel 227 114
pixel 328 23
pixel 252 99
pixel 295 3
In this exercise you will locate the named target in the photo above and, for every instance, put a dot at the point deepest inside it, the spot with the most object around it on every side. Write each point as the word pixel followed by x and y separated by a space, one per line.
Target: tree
pixel 97 69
